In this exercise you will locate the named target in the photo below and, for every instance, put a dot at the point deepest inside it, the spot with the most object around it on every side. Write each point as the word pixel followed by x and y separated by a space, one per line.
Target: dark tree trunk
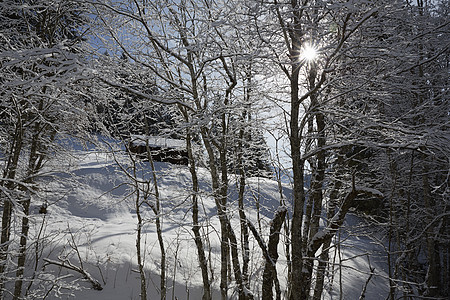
pixel 298 193
pixel 270 272
pixel 9 173
pixel 196 226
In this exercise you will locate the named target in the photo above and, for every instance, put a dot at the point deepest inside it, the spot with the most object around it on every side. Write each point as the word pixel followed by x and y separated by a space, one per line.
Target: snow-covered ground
pixel 91 210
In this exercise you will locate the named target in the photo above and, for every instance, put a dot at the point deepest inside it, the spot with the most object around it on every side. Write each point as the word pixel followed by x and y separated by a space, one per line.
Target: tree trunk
pixel 22 249
pixel 9 173
pixel 324 256
pixel 318 165
pixel 244 227
pixel 196 226
pixel 298 193
pixel 220 194
pixel 270 271
pixel 157 211
pixel 138 244
pixel 243 293
pixel 35 162
pixel 433 272
pixel 32 169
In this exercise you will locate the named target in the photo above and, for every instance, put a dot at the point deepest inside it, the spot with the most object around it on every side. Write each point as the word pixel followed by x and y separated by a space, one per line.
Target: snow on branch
pixel 43 65
pixel 68 265
pixel 144 95
pixel 336 221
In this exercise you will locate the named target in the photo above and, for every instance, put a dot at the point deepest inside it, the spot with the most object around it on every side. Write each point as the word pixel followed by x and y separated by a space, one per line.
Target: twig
pixel 363 293
pixel 68 265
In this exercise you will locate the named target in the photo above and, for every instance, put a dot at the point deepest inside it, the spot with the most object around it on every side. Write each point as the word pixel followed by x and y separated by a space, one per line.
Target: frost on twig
pixel 65 263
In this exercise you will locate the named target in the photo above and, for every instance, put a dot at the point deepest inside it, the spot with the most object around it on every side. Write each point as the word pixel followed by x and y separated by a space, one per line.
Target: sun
pixel 309 53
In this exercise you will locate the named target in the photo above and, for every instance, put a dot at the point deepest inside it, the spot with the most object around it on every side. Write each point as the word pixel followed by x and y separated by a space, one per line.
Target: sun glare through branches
pixel 309 53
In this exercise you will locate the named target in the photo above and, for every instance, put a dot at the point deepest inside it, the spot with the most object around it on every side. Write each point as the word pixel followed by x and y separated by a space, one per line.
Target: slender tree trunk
pixel 298 193
pixel 324 256
pixel 32 169
pixel 223 218
pixel 196 226
pixel 35 162
pixel 9 173
pixel 140 225
pixel 314 203
pixel 295 137
pixel 432 257
pixel 162 275
pixel 214 179
pixel 157 211
pixel 244 233
pixel 22 249
pixel 393 226
pixel 408 247
pixel 38 251
pixel 270 271
pixel 218 190
pixel 321 270
pixel 243 293
pixel 244 227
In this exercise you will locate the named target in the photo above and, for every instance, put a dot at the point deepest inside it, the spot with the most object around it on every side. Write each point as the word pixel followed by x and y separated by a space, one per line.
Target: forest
pixel 279 148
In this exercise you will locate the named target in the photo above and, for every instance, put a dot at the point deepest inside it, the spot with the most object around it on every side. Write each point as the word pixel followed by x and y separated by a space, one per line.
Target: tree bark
pixel 433 272
pixel 242 219
pixel 298 192
pixel 324 256
pixel 9 173
pixel 157 211
pixel 22 249
pixel 138 244
pixel 196 226
pixel 270 271
pixel 35 162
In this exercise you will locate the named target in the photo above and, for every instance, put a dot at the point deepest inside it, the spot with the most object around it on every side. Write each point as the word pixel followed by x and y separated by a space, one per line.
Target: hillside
pixel 91 210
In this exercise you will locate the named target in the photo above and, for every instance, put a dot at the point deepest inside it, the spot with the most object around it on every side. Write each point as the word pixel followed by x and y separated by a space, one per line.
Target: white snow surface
pixel 91 205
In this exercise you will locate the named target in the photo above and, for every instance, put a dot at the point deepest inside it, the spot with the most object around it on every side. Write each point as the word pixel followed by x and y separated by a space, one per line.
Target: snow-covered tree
pixel 41 101
pixel 342 115
pixel 362 88
pixel 201 61
pixel 415 118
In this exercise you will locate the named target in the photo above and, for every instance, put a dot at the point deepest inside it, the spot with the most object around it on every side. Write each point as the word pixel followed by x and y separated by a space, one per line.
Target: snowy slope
pixel 91 206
